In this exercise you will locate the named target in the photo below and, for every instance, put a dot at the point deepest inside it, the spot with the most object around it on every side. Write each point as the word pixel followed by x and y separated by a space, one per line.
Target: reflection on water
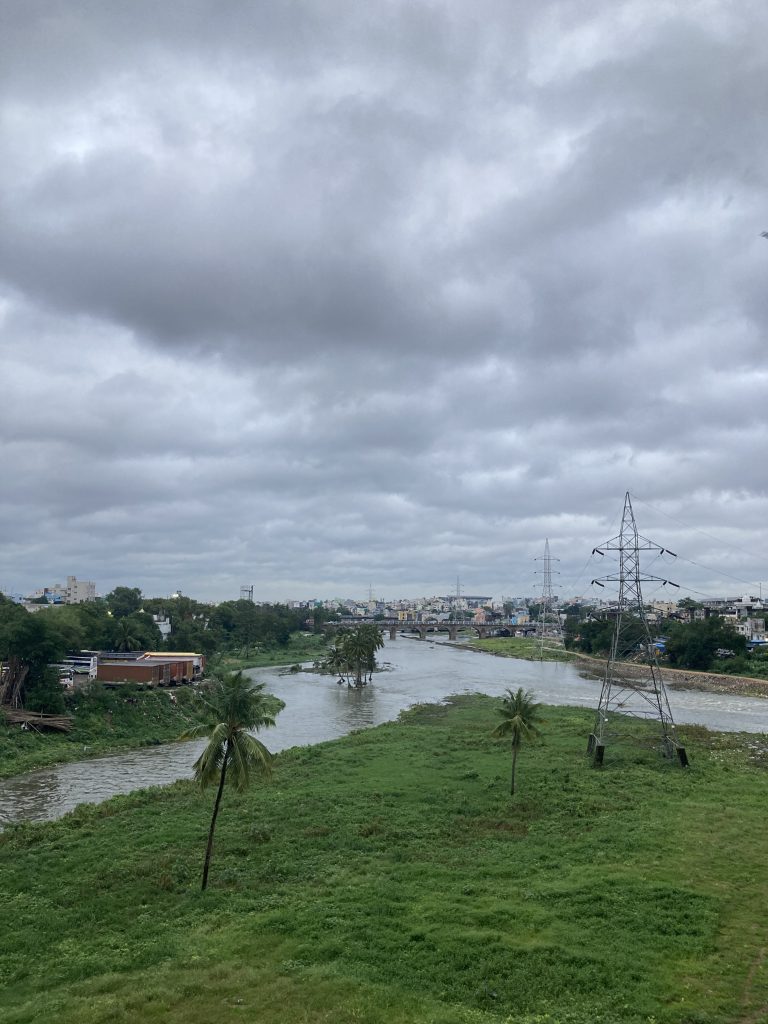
pixel 317 709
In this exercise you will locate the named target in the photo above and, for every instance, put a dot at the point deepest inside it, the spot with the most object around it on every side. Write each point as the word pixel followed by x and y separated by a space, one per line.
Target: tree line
pixel 711 644
pixel 122 621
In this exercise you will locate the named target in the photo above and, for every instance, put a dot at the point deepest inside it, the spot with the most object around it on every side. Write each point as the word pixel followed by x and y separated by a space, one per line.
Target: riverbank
pixel 684 679
pixel 103 722
pixel 527 648
pixel 109 721
pixel 388 877
pixel 300 647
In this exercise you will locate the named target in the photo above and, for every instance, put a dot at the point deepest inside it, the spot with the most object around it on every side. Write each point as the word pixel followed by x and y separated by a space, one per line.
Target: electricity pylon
pixel 633 688
pixel 548 621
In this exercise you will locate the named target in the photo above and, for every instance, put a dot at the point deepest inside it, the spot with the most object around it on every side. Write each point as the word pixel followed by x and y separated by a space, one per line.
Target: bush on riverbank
pixel 387 877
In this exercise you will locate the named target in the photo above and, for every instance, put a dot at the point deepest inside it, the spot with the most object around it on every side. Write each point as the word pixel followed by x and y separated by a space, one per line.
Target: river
pixel 317 709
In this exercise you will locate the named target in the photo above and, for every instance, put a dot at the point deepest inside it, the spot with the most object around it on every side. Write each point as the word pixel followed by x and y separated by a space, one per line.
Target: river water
pixel 317 709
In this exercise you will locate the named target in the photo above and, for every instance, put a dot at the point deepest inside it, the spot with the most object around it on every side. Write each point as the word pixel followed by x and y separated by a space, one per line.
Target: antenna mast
pixel 633 687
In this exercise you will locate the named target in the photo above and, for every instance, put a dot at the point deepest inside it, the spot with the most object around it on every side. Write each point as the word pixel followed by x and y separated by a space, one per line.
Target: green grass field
pixel 300 647
pixel 521 647
pixel 388 877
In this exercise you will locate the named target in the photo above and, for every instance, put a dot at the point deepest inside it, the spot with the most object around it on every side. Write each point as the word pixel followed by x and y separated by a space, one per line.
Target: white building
pixel 752 628
pixel 163 623
pixel 79 591
pixel 74 592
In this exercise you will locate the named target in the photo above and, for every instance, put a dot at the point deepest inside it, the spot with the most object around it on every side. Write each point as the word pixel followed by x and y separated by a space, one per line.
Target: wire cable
pixel 695 529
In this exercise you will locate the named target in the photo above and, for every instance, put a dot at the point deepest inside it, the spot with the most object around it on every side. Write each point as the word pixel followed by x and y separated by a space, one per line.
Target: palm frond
pixel 194 732
pixel 519 714
pixel 247 756
pixel 208 765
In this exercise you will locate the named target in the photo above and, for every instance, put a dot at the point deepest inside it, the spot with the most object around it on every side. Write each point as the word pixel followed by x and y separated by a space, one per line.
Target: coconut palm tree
pixel 336 660
pixel 519 715
pixel 374 640
pixel 237 707
pixel 125 634
pixel 356 647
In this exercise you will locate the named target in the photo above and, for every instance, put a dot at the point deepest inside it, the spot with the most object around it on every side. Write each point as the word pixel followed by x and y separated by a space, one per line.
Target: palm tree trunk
pixel 209 848
pixel 514 763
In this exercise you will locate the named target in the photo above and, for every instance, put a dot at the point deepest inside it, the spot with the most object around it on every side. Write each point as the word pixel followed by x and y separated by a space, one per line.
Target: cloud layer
pixel 329 294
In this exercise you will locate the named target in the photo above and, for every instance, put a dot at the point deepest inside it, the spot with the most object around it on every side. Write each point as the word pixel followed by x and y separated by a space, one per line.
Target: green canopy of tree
pixel 519 720
pixel 354 653
pixel 693 645
pixel 237 707
pixel 124 601
pixel 28 645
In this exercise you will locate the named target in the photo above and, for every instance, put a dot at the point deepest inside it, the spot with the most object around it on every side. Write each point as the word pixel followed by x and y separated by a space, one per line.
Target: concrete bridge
pixel 395 626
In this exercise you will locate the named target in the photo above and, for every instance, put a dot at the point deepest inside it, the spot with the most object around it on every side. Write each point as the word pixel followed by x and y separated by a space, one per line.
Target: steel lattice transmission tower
pixel 548 621
pixel 633 688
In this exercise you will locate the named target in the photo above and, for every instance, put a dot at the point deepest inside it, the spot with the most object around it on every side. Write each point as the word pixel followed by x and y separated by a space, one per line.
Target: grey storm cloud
pixel 320 294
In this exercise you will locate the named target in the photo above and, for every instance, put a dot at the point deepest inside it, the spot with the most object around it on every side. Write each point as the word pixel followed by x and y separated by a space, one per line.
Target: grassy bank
pixel 300 647
pixel 687 679
pixel 521 647
pixel 106 721
pixel 387 877
pixel 103 721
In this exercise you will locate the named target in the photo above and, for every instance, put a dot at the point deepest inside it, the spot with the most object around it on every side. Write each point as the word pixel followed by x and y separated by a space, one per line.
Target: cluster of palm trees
pixel 353 656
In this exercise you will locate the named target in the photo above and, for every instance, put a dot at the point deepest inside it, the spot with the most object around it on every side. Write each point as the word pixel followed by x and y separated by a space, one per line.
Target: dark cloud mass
pixel 323 294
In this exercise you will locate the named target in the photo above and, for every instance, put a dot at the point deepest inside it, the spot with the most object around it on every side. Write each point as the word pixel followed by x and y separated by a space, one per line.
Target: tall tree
pixel 28 645
pixel 126 636
pixel 357 647
pixel 236 707
pixel 124 601
pixel 519 715
pixel 374 641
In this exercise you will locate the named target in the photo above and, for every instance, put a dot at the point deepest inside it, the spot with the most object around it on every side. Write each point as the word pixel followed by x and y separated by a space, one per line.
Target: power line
pixel 749 583
pixel 695 529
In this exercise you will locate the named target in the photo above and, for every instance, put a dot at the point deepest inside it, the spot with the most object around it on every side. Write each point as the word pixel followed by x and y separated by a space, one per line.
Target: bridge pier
pixel 453 632
pixel 393 632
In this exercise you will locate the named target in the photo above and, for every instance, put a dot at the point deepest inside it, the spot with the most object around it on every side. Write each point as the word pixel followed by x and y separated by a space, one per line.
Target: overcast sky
pixel 327 294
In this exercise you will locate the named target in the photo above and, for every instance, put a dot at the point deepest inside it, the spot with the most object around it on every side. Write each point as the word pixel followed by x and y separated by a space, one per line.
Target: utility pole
pixel 548 621
pixel 633 689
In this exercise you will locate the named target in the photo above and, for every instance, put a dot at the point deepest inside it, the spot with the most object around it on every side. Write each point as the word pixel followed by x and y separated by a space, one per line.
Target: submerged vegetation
pixel 387 877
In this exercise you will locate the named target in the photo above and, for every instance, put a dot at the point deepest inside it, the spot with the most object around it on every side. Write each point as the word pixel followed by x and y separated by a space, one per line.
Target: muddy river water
pixel 317 709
